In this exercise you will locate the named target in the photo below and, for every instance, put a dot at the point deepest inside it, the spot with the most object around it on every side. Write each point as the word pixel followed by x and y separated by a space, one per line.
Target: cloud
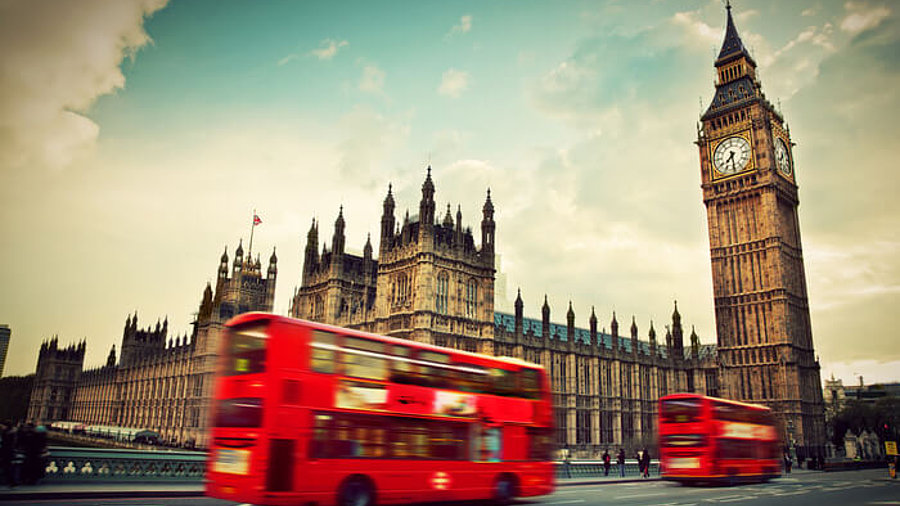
pixel 328 48
pixel 464 26
pixel 861 17
pixel 453 83
pixel 56 59
pixel 372 80
pixel 369 140
pixel 697 30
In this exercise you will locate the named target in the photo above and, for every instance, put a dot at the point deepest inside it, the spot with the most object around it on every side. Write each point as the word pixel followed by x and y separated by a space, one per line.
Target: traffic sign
pixel 890 447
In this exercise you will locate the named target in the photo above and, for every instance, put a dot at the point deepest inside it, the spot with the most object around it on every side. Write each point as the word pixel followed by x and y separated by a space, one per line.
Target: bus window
pixel 364 359
pixel 435 376
pixel 246 352
pixel 447 441
pixel 680 410
pixel 319 449
pixel 323 352
pixel 503 382
pixel 402 368
pixel 530 384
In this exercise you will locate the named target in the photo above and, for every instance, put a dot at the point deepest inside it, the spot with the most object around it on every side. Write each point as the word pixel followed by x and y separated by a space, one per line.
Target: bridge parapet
pixel 67 464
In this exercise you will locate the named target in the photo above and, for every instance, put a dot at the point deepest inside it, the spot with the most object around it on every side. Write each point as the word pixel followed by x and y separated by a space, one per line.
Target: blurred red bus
pixel 311 413
pixel 705 439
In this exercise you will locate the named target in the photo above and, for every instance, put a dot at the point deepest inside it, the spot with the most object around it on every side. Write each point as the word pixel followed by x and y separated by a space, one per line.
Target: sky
pixel 137 137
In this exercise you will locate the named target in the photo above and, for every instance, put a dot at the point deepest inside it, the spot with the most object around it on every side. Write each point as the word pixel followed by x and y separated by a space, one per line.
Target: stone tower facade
pixel 430 283
pixel 58 370
pixel 749 187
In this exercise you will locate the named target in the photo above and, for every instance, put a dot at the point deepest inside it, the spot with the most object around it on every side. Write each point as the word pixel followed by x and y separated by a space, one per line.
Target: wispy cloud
pixel 328 48
pixel 464 26
pixel 372 80
pixel 861 17
pixel 453 83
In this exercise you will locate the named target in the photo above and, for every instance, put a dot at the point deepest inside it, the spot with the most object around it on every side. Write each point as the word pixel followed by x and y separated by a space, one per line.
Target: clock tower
pixel 749 183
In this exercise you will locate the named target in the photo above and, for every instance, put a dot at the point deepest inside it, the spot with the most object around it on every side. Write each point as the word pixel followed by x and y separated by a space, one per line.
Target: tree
pixel 881 418
pixel 15 394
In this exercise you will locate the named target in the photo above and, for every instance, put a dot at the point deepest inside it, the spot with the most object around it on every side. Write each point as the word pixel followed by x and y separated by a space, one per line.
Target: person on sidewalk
pixel 12 455
pixel 645 464
pixel 787 463
pixel 620 462
pixel 606 462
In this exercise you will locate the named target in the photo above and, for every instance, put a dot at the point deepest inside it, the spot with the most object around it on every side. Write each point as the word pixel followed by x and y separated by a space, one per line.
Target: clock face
pixel 782 156
pixel 731 156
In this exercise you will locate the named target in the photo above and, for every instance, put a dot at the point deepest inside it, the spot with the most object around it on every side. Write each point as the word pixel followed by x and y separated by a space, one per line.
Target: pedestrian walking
pixel 645 464
pixel 11 455
pixel 787 463
pixel 620 462
pixel 606 462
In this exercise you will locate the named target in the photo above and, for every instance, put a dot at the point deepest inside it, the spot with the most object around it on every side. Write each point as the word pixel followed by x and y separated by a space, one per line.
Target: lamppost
pixel 790 428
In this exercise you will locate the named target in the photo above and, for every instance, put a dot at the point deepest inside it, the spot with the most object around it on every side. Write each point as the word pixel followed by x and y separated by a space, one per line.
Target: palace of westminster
pixel 432 282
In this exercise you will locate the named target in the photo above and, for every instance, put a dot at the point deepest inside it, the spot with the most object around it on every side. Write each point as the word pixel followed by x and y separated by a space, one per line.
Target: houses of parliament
pixel 433 282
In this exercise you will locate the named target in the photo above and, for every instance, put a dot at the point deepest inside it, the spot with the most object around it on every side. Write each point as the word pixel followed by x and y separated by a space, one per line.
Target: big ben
pixel 749 184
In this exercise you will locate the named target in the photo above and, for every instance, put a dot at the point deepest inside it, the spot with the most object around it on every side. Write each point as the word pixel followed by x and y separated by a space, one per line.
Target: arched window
pixel 443 288
pixel 471 298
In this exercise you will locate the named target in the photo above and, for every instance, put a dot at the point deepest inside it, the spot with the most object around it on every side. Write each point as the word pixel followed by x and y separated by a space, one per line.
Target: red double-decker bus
pixel 705 439
pixel 311 413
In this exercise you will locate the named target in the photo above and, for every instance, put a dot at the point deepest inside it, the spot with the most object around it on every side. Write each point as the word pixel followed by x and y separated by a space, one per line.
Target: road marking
pixel 573 501
pixel 796 492
pixel 632 496
pixel 884 502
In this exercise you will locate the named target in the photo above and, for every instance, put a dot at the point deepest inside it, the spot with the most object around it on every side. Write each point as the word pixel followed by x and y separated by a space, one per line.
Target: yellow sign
pixel 890 447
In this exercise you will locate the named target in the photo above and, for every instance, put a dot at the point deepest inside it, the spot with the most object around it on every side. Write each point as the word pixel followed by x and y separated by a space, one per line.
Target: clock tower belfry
pixel 749 184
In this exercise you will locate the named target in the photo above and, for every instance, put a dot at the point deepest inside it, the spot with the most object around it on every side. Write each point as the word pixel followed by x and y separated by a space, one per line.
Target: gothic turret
pixel 634 335
pixel 337 242
pixel 652 336
pixel 545 319
pixel 426 205
pixel 677 334
pixel 593 328
pixel 273 265
pixel 238 257
pixel 519 306
pixel 387 221
pixel 311 257
pixel 488 226
pixel 695 344
pixel 223 264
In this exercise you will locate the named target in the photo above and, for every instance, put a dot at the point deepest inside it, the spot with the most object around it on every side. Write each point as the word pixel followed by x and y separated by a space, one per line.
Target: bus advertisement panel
pixel 307 412
pixel 705 439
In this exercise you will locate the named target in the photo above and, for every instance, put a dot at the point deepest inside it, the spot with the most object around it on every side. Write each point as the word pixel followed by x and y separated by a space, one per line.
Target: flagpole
pixel 252 226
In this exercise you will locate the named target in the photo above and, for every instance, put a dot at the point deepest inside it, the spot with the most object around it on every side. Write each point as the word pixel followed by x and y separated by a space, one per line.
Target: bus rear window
pixel 246 352
pixel 680 410
pixel 243 412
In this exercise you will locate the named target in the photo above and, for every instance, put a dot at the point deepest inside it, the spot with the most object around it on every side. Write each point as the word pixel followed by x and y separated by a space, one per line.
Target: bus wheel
pixel 504 489
pixel 356 491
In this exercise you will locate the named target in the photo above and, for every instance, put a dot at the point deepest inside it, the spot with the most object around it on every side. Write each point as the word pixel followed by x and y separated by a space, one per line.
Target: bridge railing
pixel 66 465
pixel 594 469
pixel 94 464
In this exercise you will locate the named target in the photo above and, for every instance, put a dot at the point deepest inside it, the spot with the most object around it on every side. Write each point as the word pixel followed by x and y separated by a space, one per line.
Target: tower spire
pixel 732 46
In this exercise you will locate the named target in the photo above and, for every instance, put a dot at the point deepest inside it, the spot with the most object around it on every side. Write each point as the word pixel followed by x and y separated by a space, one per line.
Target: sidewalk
pixel 144 489
pixel 100 490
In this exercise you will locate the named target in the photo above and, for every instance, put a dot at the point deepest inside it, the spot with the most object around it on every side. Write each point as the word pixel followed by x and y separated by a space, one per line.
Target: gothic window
pixel 471 298
pixel 443 288
pixel 319 310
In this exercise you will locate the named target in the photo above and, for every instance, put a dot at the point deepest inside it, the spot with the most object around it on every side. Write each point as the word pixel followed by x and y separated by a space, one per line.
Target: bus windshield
pixel 680 410
pixel 246 350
